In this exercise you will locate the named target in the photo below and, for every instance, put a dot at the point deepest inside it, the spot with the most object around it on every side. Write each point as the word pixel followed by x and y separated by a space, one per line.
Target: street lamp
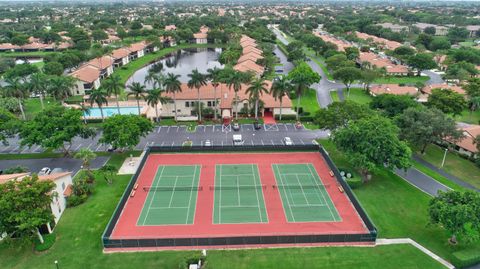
pixel 444 157
pixel 56 264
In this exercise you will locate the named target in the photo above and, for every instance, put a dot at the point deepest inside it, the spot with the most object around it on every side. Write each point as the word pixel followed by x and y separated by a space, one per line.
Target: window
pixel 209 103
pixel 192 104
pixel 187 104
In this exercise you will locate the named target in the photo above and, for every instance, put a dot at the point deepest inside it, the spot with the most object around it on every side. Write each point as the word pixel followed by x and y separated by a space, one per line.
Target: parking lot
pixel 177 135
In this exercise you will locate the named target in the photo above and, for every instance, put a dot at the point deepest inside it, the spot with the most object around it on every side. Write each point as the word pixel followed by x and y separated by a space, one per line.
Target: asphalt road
pixel 177 135
pixel 66 164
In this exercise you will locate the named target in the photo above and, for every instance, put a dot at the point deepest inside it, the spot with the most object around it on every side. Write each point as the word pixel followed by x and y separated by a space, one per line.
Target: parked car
pixel 288 141
pixel 1 172
pixel 257 125
pixel 111 148
pixel 45 171
pixel 238 140
pixel 207 143
pixel 236 126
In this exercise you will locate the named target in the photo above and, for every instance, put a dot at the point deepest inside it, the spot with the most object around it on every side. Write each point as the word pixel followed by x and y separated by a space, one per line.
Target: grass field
pixel 32 106
pixel 455 165
pixel 398 209
pixel 356 94
pixel 78 245
pixel 308 101
pixel 468 117
pixel 395 256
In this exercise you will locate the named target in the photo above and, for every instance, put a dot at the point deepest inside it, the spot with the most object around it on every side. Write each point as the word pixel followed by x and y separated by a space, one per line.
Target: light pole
pixel 56 264
pixel 444 157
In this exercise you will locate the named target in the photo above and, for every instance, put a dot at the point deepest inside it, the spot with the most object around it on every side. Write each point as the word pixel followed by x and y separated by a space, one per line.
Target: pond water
pixel 181 63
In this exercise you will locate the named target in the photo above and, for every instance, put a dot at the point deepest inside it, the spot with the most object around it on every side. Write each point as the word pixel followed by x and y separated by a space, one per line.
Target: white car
pixel 45 171
pixel 288 141
pixel 237 140
pixel 207 143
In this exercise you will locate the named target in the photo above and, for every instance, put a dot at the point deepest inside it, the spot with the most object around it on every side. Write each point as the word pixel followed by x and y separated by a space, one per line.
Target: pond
pixel 180 63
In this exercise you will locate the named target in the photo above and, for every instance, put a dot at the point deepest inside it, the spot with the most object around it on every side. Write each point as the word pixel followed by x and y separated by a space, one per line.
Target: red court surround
pixel 126 226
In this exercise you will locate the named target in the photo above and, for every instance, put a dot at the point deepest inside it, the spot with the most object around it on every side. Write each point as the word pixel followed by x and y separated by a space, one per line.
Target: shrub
pixel 285 117
pixel 75 200
pixel 466 257
pixel 15 170
pixel 306 118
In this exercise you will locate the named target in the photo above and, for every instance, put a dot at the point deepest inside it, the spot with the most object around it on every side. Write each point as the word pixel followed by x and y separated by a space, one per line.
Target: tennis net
pixel 309 186
pixel 238 187
pixel 172 188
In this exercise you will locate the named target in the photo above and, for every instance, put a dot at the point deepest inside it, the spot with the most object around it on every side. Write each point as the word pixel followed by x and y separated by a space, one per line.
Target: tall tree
pixel 422 61
pixel 280 88
pixel 234 79
pixel 25 206
pixel 421 126
pixel 99 97
pixel 173 85
pixel 392 105
pixel 257 88
pixel 302 77
pixel 153 98
pixel 54 128
pixel 348 75
pixel 137 90
pixel 215 77
pixel 447 101
pixel 340 114
pixel 457 212
pixel 113 85
pixel 197 80
pixel 125 131
pixel 16 89
pixel 60 86
pixel 38 85
pixel 372 143
pixel 8 125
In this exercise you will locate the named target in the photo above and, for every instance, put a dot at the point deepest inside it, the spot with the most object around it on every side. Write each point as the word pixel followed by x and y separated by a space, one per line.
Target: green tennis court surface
pixel 304 197
pixel 171 197
pixel 238 195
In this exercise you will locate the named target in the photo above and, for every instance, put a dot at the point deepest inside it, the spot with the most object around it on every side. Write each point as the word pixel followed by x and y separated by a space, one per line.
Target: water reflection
pixel 180 63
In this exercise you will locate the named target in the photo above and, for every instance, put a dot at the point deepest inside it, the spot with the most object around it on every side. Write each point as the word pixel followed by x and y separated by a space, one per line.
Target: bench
pixel 135 187
pixel 331 173
pixel 340 188
pixel 132 194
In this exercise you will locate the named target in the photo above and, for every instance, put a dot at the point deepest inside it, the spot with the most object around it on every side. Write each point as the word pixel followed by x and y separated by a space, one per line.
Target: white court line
pixel 329 209
pixel 277 169
pixel 301 188
pixel 256 193
pixel 168 207
pixel 191 192
pixel 153 197
pixel 173 192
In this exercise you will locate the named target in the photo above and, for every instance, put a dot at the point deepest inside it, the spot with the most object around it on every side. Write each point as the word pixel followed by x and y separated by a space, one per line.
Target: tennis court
pixel 238 195
pixel 172 196
pixel 304 196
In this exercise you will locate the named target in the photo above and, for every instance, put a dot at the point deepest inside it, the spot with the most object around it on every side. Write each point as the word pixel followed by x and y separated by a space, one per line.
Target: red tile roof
pixel 86 73
pixel 54 176
pixel 470 132
pixel 8 46
pixel 428 89
pixel 249 65
pixel 380 62
pixel 5 178
pixel 137 46
pixel 102 62
pixel 393 89
pixel 200 35
pixel 388 44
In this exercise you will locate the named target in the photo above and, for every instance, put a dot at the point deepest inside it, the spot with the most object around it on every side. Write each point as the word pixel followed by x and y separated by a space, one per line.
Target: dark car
pixel 236 126
pixel 257 125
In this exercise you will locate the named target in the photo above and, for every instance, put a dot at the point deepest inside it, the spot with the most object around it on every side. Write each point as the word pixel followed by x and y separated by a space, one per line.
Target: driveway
pixel 67 164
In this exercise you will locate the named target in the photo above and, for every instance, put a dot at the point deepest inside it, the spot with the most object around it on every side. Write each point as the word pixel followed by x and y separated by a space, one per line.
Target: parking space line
pixel 168 130
pixel 98 147
pixel 89 145
pixel 272 142
pixel 25 149
pixel 162 143
pixel 303 143
pixel 263 144
pixel 6 148
pixel 13 150
pixel 36 149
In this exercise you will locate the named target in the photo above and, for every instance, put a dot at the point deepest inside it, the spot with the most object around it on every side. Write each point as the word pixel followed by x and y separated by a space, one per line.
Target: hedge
pixel 466 257
pixel 285 117
pixel 354 182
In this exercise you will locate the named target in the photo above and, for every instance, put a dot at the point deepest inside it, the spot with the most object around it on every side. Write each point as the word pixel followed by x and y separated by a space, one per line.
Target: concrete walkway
pixel 384 241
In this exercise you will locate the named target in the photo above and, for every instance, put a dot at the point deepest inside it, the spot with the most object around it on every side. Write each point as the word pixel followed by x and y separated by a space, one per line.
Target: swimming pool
pixel 110 111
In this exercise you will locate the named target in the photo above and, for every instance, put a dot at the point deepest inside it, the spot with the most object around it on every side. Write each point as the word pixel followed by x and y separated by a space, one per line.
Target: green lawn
pixel 455 165
pixel 402 80
pixel 358 95
pixel 128 70
pixel 466 116
pixel 29 54
pixel 334 96
pixel 308 101
pixel 32 106
pixel 395 256
pixel 399 209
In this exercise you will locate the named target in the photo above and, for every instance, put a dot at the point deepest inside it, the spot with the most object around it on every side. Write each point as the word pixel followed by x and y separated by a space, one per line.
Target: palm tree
pixel 99 97
pixel 138 91
pixel 154 97
pixel 257 88
pixel 173 85
pixel 234 80
pixel 197 80
pixel 86 155
pixel 280 87
pixel 17 90
pixel 37 85
pixel 85 110
pixel 60 86
pixel 151 77
pixel 113 85
pixel 214 75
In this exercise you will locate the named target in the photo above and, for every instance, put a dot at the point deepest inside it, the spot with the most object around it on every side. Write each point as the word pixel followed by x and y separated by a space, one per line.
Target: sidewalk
pixel 422 181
